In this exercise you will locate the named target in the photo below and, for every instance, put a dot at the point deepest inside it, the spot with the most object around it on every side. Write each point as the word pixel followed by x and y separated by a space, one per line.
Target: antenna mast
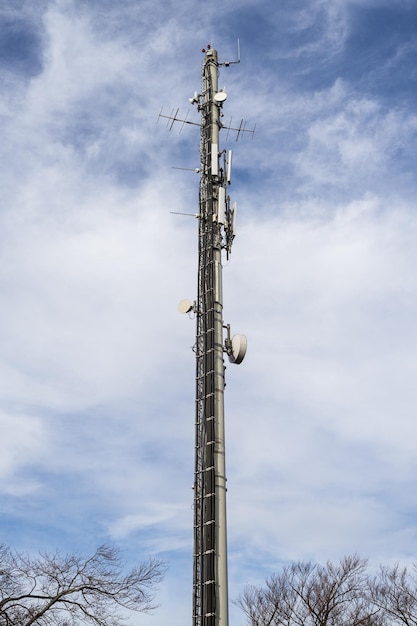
pixel 216 231
pixel 210 594
pixel 210 579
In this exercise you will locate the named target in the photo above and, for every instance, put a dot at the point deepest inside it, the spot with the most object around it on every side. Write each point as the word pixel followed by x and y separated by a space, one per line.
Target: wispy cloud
pixel 97 369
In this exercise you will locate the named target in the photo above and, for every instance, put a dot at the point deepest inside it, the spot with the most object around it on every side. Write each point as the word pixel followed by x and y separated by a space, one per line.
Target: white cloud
pixel 358 143
pixel 97 370
pixel 23 441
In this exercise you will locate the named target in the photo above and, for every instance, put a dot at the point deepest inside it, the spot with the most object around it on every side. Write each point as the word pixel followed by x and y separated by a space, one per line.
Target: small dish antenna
pixel 238 349
pixel 185 306
pixel 220 97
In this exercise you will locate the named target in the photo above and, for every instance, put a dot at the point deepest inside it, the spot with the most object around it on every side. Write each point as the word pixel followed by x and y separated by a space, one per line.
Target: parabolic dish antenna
pixel 220 97
pixel 185 306
pixel 239 347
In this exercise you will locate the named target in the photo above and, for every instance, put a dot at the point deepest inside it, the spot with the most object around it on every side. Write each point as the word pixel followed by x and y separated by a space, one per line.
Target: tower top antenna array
pixel 216 232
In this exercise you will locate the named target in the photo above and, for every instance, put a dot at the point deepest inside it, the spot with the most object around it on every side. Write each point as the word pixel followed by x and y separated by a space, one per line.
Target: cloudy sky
pixel 96 366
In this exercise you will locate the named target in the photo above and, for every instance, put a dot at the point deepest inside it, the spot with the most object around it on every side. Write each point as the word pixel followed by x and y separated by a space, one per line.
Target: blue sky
pixel 96 370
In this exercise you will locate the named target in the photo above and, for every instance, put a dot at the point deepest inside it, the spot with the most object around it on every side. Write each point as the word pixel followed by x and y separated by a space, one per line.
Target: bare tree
pixel 394 590
pixel 304 594
pixel 70 590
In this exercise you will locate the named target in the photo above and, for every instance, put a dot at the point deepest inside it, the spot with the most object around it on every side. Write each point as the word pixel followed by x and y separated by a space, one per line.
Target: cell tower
pixel 216 231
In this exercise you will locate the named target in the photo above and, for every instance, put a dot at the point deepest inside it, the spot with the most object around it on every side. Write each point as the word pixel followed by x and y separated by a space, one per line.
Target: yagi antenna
pixel 184 121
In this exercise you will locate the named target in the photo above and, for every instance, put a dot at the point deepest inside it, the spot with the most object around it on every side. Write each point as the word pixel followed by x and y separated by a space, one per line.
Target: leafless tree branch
pixel 304 594
pixel 70 590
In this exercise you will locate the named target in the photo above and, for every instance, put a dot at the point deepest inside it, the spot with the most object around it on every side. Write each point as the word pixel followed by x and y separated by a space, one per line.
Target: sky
pixel 96 364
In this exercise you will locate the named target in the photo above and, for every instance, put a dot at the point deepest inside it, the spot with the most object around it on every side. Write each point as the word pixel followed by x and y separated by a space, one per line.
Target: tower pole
pixel 210 584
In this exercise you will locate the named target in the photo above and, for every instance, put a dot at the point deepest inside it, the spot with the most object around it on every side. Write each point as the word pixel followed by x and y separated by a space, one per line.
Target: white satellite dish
pixel 220 97
pixel 239 347
pixel 185 306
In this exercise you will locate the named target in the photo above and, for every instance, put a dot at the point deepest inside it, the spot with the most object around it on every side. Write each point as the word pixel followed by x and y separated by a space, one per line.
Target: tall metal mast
pixel 216 231
pixel 210 596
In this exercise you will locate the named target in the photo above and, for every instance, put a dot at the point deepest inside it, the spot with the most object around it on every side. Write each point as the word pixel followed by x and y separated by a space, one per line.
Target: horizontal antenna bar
pixel 188 169
pixel 189 214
